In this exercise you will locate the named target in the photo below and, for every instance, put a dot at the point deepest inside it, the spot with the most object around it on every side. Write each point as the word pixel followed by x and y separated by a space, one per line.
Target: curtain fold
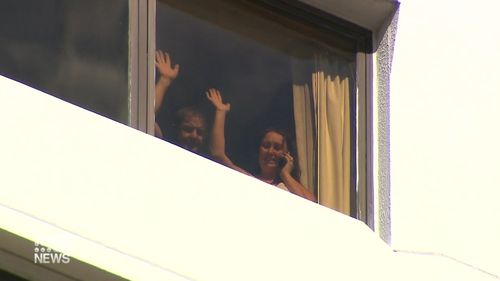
pixel 304 132
pixel 322 124
pixel 333 141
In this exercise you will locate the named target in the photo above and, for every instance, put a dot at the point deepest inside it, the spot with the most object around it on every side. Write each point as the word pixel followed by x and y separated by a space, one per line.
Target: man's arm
pixel 167 75
pixel 218 142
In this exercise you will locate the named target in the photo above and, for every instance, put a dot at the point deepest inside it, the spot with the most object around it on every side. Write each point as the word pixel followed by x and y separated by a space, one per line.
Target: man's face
pixel 191 133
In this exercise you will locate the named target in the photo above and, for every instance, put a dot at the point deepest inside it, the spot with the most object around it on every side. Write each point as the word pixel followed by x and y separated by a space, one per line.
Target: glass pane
pixel 74 50
pixel 265 66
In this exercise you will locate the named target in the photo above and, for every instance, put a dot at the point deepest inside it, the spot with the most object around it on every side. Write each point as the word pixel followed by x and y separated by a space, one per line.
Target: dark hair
pixel 291 147
pixel 186 112
pixel 179 117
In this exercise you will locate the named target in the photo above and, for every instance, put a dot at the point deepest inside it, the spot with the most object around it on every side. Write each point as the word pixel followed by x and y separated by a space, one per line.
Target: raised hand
pixel 164 66
pixel 168 74
pixel 214 96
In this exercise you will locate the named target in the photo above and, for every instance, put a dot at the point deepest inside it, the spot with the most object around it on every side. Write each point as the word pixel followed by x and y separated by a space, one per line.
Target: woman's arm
pixel 218 141
pixel 291 183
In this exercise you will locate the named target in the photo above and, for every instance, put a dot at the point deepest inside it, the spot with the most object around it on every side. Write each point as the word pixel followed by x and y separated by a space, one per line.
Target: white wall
pixel 144 209
pixel 445 113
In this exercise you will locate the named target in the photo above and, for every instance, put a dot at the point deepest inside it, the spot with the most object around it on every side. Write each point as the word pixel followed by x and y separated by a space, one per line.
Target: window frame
pixel 141 66
pixel 142 69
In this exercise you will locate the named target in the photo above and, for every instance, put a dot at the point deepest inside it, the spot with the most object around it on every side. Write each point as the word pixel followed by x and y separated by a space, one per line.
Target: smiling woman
pixel 275 161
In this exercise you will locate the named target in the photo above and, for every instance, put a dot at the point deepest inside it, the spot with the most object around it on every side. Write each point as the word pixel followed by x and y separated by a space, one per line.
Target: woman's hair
pixel 290 144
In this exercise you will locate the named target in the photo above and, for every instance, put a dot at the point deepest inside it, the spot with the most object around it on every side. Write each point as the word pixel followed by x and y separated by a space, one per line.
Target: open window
pixel 279 66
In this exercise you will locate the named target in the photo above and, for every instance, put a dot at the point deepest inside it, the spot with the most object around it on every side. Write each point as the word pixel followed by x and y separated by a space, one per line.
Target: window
pixel 273 60
pixel 76 50
pixel 279 66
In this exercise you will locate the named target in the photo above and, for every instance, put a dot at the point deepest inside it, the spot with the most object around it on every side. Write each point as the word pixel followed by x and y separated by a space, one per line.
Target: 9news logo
pixel 46 255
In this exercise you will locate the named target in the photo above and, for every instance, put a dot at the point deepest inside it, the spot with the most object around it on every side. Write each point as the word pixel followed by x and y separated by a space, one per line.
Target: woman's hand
pixel 164 66
pixel 293 184
pixel 214 96
pixel 288 167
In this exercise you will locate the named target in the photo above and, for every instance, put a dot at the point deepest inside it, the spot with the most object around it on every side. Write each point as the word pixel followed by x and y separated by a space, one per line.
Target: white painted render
pixel 144 209
pixel 445 140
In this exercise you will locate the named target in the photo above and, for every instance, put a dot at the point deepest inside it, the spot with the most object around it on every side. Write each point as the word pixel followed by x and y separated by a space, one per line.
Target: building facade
pixel 319 69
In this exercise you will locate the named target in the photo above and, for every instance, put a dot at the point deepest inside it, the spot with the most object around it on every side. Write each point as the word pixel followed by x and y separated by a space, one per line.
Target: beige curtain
pixel 324 158
pixel 304 131
pixel 333 141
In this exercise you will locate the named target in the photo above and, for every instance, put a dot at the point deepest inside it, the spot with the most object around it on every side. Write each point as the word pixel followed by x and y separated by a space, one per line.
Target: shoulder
pixel 282 186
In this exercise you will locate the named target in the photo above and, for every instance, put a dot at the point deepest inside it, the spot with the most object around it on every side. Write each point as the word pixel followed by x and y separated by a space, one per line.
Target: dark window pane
pixel 74 50
pixel 277 71
pixel 251 56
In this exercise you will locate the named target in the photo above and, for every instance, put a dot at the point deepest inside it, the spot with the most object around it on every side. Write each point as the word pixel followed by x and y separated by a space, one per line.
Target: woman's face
pixel 272 148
